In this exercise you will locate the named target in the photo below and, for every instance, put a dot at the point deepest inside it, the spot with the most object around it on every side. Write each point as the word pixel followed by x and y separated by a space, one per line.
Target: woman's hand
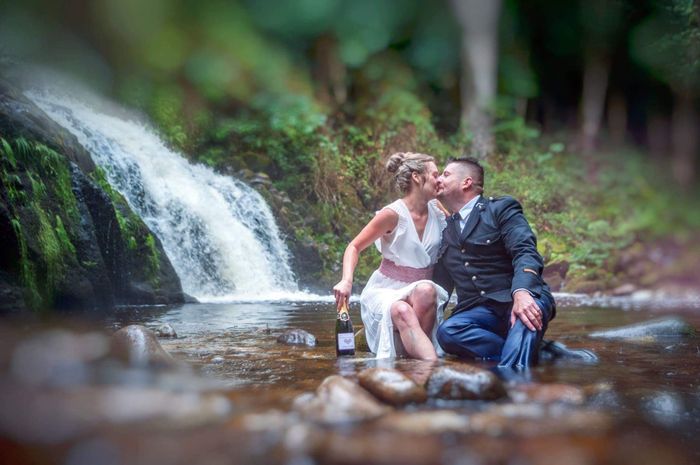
pixel 342 292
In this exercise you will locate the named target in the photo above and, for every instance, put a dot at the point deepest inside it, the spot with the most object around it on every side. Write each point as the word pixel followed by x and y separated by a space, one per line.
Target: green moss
pixel 28 275
pixel 153 260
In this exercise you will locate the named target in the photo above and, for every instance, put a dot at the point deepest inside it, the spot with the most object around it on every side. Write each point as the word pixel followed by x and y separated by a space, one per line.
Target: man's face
pixel 451 181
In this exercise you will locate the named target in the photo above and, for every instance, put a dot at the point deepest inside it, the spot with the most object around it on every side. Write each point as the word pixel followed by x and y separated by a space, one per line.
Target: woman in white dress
pixel 400 296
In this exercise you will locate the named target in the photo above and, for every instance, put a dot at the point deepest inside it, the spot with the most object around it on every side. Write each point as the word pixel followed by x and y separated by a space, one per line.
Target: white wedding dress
pixel 407 261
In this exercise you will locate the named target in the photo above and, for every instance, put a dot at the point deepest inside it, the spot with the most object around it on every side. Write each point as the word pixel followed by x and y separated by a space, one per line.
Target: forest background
pixel 586 111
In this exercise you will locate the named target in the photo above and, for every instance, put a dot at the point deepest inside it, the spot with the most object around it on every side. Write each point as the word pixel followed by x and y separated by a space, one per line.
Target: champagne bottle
pixel 344 335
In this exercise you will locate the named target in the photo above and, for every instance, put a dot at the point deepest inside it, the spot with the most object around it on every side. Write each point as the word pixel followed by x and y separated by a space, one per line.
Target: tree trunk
pixel 684 140
pixel 595 85
pixel 479 22
pixel 329 72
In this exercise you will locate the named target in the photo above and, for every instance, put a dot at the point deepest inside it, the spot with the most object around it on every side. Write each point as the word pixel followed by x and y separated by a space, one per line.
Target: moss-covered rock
pixel 70 242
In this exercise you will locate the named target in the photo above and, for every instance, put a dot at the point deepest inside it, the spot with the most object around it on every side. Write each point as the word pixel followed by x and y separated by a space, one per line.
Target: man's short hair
pixel 476 171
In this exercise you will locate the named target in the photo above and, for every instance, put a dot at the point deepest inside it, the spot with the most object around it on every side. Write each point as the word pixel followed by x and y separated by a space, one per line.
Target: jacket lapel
pixel 473 219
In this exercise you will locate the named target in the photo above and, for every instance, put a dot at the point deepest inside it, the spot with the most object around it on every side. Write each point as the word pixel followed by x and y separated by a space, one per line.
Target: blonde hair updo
pixel 403 164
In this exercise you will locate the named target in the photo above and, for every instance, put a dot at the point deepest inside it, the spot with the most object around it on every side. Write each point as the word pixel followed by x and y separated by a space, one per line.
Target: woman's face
pixel 430 186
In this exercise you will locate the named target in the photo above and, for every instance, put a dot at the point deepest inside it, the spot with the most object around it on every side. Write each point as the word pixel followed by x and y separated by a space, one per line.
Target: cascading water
pixel 219 234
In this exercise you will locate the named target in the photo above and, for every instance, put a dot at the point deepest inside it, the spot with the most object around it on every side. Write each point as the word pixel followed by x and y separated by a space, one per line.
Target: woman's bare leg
pixel 414 339
pixel 423 299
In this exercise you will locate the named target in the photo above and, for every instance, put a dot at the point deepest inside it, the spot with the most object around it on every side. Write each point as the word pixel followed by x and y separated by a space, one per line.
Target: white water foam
pixel 219 233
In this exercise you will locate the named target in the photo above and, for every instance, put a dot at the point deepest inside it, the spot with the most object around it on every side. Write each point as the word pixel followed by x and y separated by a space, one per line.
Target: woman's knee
pixel 425 291
pixel 402 313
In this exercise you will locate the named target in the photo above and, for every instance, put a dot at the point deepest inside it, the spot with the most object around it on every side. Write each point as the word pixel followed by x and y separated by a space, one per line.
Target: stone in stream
pixel 465 382
pixel 651 329
pixel 165 330
pixel 426 422
pixel 297 336
pixel 339 400
pixel 138 346
pixel 547 394
pixel 392 386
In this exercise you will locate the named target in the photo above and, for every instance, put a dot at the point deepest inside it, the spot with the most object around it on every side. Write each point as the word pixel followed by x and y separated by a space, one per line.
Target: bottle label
pixel 346 341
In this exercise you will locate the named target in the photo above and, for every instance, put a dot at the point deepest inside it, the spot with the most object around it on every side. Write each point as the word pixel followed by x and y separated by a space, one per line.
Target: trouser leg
pixel 474 333
pixel 521 347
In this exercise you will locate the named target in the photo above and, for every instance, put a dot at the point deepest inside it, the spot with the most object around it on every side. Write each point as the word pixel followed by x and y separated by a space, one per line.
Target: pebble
pixel 297 336
pixel 392 386
pixel 465 382
pixel 138 346
pixel 165 330
pixel 339 400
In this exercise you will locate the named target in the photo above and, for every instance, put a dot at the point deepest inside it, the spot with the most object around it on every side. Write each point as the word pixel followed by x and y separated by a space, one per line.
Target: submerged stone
pixel 339 400
pixel 465 382
pixel 673 326
pixel 165 330
pixel 547 393
pixel 392 386
pixel 297 336
pixel 439 421
pixel 136 345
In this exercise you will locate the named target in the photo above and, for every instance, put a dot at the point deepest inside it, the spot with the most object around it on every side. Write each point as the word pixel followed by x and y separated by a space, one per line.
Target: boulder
pixel 672 326
pixel 465 382
pixel 339 400
pixel 392 386
pixel 138 346
pixel 297 336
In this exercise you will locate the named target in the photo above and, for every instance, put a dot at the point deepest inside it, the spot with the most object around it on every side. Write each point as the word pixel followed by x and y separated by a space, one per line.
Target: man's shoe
pixel 552 350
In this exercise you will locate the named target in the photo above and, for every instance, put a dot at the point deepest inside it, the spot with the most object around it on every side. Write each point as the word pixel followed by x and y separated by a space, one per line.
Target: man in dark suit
pixel 489 254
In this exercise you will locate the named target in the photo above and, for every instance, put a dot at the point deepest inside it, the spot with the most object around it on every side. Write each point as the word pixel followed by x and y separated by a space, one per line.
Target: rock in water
pixel 426 422
pixel 392 386
pixel 652 328
pixel 297 336
pixel 462 381
pixel 339 400
pixel 165 330
pixel 547 394
pixel 139 346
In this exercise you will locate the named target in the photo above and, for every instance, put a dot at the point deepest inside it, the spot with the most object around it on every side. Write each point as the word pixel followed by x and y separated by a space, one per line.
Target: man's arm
pixel 528 264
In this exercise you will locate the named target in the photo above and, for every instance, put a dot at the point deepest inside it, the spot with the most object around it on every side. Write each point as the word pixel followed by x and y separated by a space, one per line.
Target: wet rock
pixel 165 330
pixel 625 289
pixel 537 420
pixel 57 357
pixel 339 400
pixel 392 386
pixel 648 329
pixel 297 336
pixel 547 394
pixel 138 346
pixel 463 381
pixel 217 360
pixel 439 421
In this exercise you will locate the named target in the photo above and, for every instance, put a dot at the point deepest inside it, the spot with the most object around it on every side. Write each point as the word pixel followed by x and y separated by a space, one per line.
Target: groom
pixel 489 254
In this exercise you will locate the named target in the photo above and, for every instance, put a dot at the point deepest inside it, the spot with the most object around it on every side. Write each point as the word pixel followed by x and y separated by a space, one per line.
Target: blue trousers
pixel 484 332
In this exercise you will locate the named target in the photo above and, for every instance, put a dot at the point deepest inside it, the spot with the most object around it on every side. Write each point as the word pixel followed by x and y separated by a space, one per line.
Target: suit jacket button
pixel 488 241
pixel 466 263
pixel 490 198
pixel 482 292
pixel 474 278
pixel 464 250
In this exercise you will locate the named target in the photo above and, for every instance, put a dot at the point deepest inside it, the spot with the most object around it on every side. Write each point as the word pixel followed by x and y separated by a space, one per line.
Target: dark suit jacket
pixel 494 255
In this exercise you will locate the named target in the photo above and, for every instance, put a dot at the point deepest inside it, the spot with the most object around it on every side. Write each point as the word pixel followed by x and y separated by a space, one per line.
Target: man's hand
pixel 525 308
pixel 342 291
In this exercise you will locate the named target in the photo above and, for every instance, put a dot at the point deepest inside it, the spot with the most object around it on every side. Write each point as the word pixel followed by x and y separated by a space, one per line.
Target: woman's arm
pixel 384 222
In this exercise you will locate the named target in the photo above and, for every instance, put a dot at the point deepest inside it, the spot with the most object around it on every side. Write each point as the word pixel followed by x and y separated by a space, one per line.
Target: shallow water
pixel 649 389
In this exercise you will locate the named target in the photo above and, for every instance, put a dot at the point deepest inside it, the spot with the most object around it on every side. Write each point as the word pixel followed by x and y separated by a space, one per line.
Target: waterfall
pixel 219 233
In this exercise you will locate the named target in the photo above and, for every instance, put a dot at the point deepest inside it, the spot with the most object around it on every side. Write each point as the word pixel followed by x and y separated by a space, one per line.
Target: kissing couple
pixel 483 248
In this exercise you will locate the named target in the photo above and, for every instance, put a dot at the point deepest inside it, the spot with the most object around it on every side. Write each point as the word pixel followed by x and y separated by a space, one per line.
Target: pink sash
pixel 405 274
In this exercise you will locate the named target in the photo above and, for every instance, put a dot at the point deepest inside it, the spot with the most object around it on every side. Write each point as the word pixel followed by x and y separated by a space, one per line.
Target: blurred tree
pixel 479 21
pixel 669 44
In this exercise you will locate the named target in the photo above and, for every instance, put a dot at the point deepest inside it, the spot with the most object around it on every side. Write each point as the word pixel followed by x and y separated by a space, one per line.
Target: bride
pixel 399 296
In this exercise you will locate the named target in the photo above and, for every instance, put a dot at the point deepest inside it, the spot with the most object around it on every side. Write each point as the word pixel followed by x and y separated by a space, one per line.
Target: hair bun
pixel 395 162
